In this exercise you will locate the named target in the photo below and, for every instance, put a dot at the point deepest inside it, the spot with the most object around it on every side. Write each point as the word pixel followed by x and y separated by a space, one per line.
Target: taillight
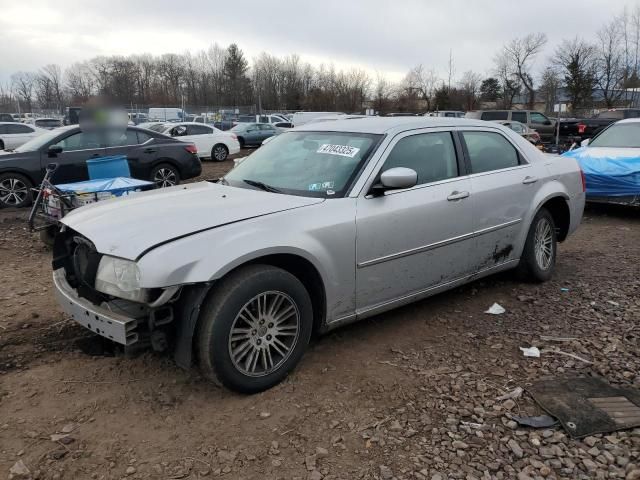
pixel 584 181
pixel 191 148
pixel 581 128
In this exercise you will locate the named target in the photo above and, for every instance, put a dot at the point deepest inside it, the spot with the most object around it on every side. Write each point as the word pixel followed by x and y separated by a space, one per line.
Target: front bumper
pixel 98 319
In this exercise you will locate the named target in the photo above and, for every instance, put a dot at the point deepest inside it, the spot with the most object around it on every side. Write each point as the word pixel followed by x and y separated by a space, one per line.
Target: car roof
pixel 629 120
pixel 187 123
pixel 379 125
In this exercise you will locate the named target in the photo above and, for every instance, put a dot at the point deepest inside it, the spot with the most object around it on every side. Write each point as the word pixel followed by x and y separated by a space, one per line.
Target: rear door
pixel 138 148
pixel 200 135
pixel 409 241
pixel 503 185
pixel 77 148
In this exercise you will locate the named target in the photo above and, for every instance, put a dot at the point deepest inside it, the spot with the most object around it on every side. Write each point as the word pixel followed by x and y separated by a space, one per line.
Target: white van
pixel 166 115
pixel 300 118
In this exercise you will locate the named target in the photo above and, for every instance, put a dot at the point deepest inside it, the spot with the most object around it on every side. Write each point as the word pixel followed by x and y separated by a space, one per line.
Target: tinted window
pixel 619 135
pixel 142 137
pixel 198 130
pixel 179 131
pixel 17 128
pixel 495 115
pixel 264 119
pixel 80 141
pixel 48 123
pixel 3 129
pixel 489 151
pixel 431 155
pixel 519 117
pixel 538 118
pixel 266 127
pixel 121 139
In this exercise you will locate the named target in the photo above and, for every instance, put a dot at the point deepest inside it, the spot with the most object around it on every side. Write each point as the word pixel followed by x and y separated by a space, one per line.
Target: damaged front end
pixel 103 294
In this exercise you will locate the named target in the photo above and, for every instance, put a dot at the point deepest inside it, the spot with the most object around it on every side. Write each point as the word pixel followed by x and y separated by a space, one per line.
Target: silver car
pixel 325 225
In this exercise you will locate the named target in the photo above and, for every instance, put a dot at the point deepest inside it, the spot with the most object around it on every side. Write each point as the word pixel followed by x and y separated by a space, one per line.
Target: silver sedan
pixel 327 224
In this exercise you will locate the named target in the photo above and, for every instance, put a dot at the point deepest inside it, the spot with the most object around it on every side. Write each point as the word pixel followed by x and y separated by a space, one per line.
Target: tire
pixel 165 175
pixel 249 370
pixel 219 152
pixel 536 265
pixel 15 190
pixel 241 142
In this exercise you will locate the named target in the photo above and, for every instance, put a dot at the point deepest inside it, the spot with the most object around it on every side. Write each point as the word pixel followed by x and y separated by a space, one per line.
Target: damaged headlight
pixel 120 278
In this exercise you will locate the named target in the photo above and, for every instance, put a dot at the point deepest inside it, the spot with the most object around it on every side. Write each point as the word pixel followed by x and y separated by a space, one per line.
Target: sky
pixel 379 36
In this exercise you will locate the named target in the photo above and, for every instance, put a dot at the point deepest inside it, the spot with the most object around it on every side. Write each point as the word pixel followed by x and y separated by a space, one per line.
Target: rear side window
pixel 431 155
pixel 142 137
pixel 489 151
pixel 495 116
pixel 198 130
pixel 519 117
pixel 17 128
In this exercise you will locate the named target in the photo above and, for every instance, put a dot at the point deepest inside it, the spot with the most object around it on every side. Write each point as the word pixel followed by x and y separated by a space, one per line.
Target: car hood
pixel 129 227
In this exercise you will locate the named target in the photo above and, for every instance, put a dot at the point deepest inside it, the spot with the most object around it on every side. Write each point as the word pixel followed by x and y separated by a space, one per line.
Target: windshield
pixel 310 164
pixel 38 142
pixel 623 135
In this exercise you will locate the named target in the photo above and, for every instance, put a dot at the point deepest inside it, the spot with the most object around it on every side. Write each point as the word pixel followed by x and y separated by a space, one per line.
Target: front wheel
pixel 219 152
pixel 254 328
pixel 540 249
pixel 165 175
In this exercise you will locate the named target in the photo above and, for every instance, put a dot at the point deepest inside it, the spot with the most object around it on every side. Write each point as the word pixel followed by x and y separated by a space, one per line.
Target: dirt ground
pixel 410 394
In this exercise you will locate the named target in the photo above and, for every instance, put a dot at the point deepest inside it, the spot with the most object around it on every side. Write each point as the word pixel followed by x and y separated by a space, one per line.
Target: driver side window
pixel 79 141
pixel 431 155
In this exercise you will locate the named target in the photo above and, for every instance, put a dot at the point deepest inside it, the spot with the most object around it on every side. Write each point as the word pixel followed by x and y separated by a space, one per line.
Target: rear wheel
pixel 219 152
pixel 15 190
pixel 539 255
pixel 254 328
pixel 165 175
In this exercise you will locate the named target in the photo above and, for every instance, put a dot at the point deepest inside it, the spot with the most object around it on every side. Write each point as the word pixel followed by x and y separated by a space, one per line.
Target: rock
pixel 509 404
pixel 385 473
pixel 310 462
pixel 315 475
pixel 458 445
pixel 395 426
pixel 515 448
pixel 68 428
pixel 19 470
pixel 321 452
pixel 591 441
pixel 633 475
pixel 264 415
pixel 590 465
pixel 436 476
pixel 130 470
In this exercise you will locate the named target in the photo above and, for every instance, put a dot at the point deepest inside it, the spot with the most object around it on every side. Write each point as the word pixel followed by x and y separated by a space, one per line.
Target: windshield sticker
pixel 320 186
pixel 342 150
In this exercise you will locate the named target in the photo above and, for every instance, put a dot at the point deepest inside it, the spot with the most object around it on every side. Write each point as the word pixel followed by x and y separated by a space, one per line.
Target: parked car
pixel 166 115
pixel 7 117
pixel 265 118
pixel 253 134
pixel 611 163
pixel 47 123
pixel 151 156
pixel 13 134
pixel 300 118
pixel 446 113
pixel 521 129
pixel 325 225
pixel 531 118
pixel 578 129
pixel 209 141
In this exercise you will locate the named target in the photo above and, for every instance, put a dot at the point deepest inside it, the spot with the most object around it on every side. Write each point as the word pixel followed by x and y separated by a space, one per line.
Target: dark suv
pixel 531 118
pixel 151 156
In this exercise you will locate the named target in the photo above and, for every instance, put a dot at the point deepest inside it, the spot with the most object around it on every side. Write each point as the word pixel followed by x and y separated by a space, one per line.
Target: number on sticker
pixel 342 150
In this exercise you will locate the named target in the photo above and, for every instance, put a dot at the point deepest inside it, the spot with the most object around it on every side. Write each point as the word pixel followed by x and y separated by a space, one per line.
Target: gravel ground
pixel 410 394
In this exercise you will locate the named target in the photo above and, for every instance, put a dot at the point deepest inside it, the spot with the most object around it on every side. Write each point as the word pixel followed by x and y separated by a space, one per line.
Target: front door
pixel 504 185
pixel 77 148
pixel 411 240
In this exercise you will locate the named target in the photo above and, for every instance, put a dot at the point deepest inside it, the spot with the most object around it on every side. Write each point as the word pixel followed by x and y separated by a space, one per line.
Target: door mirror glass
pixel 398 177
pixel 54 150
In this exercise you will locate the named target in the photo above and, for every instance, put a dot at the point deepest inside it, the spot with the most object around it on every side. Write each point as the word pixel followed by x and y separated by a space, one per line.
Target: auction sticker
pixel 342 150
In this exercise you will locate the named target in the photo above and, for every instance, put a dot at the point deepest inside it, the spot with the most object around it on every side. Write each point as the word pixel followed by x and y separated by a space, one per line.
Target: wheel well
pixel 304 271
pixel 168 161
pixel 559 210
pixel 19 172
pixel 220 144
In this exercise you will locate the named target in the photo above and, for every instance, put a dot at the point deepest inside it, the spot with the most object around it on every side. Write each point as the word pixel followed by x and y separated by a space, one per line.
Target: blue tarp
pixel 608 175
pixel 114 185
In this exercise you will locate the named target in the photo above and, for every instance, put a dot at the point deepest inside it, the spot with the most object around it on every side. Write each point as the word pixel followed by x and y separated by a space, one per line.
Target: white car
pixel 12 134
pixel 209 141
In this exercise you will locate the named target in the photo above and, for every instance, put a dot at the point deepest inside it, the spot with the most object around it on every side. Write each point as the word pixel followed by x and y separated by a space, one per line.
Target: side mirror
pixel 585 142
pixel 395 179
pixel 548 122
pixel 54 150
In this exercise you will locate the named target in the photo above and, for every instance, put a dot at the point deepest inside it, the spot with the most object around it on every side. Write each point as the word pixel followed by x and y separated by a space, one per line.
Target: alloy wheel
pixel 543 244
pixel 165 177
pixel 220 153
pixel 13 191
pixel 264 333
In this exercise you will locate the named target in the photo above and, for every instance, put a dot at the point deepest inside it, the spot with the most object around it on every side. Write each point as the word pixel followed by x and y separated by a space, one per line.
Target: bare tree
pixel 520 53
pixel 609 63
pixel 423 82
pixel 23 84
pixel 470 89
pixel 509 80
pixel 78 82
pixel 575 62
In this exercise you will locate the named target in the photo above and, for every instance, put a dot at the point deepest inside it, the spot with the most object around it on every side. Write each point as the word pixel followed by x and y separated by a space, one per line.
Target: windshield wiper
pixel 261 186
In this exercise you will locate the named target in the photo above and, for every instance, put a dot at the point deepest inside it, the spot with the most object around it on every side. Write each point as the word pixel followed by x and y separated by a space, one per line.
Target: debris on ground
pixel 496 309
pixel 530 352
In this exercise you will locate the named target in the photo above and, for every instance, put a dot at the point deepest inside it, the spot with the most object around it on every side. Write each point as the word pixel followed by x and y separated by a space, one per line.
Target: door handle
pixel 95 155
pixel 456 195
pixel 528 180
pixel 149 150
